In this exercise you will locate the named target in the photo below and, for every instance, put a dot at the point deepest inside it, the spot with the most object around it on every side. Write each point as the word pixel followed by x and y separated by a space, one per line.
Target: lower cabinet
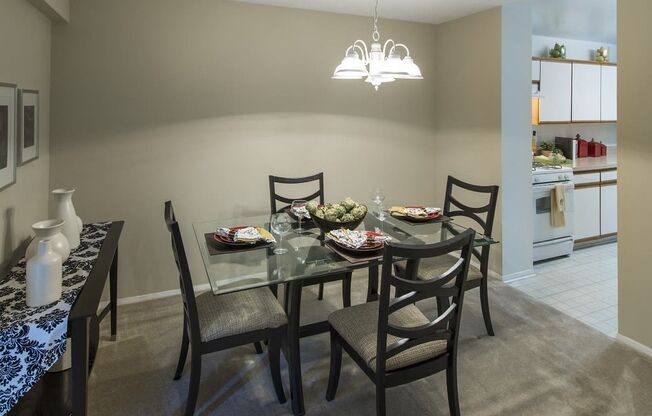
pixel 596 204
pixel 608 209
pixel 587 212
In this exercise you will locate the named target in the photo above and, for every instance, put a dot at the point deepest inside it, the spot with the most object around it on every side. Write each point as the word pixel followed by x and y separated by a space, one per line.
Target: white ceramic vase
pixel 50 230
pixel 64 209
pixel 44 276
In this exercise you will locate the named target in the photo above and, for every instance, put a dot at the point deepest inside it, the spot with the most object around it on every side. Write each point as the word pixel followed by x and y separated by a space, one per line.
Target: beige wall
pixel 25 40
pixel 154 100
pixel 468 105
pixel 634 170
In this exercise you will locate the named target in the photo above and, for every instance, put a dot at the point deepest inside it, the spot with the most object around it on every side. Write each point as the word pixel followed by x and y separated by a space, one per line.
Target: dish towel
pixel 558 206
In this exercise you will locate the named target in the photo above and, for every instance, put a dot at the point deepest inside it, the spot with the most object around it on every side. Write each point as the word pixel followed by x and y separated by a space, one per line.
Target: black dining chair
pixel 453 207
pixel 392 340
pixel 275 198
pixel 213 323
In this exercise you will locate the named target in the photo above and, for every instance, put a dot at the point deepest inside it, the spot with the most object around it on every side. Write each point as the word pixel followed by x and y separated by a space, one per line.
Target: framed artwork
pixel 8 101
pixel 28 126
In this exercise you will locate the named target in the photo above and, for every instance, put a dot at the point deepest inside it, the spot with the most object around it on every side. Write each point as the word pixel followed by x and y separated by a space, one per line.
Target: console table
pixel 33 339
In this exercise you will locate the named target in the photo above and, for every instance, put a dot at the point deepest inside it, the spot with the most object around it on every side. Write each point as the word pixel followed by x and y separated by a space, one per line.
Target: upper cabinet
pixel 574 91
pixel 609 93
pixel 586 93
pixel 555 92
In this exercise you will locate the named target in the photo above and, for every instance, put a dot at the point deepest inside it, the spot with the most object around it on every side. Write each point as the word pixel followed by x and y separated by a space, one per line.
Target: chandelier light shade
pixel 378 63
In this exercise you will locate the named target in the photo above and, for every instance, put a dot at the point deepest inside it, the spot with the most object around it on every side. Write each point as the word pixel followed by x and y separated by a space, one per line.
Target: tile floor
pixel 584 286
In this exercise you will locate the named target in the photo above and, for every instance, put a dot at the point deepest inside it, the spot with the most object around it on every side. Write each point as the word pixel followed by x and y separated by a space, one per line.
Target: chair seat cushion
pixel 237 313
pixel 358 325
pixel 435 266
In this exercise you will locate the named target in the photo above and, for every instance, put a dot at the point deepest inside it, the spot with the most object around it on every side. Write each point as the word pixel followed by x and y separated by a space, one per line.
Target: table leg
pixel 80 340
pixel 294 355
pixel 372 286
pixel 113 294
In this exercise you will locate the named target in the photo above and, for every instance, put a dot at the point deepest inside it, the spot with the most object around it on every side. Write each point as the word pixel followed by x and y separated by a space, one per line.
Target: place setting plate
pixel 372 249
pixel 415 214
pixel 221 244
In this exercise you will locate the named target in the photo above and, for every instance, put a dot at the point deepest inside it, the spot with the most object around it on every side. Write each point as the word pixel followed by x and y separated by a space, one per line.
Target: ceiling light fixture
pixel 377 64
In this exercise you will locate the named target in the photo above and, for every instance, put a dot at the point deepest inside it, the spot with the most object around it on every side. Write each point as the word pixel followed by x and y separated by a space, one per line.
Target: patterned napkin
pixel 246 234
pixel 415 211
pixel 356 239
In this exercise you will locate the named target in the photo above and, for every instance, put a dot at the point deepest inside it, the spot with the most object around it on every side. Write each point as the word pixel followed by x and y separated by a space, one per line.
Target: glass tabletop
pixel 307 255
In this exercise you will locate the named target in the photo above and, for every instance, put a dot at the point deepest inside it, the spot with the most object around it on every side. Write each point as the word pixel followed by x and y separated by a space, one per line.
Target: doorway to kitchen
pixel 575 169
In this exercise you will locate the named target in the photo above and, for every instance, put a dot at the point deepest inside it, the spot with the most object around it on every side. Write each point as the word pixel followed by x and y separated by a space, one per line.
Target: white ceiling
pixel 575 19
pixel 428 11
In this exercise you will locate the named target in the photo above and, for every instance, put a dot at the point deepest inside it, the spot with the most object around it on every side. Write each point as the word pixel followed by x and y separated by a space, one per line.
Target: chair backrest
pixel 446 325
pixel 185 278
pixel 274 197
pixel 453 207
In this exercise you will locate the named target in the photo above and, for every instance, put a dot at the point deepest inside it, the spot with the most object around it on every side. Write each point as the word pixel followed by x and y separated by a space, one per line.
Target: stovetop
pixel 546 174
pixel 539 168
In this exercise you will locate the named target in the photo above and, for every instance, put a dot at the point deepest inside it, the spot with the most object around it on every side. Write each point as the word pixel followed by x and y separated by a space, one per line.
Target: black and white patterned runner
pixel 33 339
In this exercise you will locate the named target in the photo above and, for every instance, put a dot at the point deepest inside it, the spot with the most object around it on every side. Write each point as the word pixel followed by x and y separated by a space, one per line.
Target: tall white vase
pixel 65 210
pixel 44 276
pixel 50 230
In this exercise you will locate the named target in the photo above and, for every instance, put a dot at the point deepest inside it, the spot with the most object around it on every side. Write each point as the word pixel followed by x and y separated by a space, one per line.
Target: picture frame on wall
pixel 28 125
pixel 8 106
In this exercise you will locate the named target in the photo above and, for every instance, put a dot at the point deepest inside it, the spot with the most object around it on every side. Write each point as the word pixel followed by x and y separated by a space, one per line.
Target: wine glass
pixel 299 210
pixel 377 197
pixel 280 224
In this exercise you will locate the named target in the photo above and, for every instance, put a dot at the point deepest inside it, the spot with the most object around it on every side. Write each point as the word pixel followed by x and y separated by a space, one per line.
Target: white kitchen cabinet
pixel 609 93
pixel 586 92
pixel 608 209
pixel 587 212
pixel 555 102
pixel 536 70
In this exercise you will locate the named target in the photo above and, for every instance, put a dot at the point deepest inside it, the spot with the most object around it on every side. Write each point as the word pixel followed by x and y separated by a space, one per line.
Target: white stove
pixel 549 241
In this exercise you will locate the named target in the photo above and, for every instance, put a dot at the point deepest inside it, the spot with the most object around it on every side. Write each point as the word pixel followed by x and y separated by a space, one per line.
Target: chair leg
pixel 258 347
pixel 321 292
pixel 346 290
pixel 484 301
pixel 336 367
pixel 275 364
pixel 195 376
pixel 451 385
pixel 184 350
pixel 380 400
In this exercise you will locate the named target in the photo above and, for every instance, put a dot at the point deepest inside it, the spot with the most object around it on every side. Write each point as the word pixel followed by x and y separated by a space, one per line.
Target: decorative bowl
pixel 325 226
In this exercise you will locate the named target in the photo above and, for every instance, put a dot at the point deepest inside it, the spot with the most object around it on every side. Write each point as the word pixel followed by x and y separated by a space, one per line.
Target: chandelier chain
pixel 376 35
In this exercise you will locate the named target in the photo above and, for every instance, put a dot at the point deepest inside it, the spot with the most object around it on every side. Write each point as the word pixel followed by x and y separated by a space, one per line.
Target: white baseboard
pixel 525 274
pixel 635 345
pixel 153 296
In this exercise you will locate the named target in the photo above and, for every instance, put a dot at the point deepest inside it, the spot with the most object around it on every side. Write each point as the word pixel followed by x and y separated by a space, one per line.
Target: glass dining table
pixel 308 258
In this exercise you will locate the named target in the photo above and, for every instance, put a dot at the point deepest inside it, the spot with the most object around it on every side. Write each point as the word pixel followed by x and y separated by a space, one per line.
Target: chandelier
pixel 377 64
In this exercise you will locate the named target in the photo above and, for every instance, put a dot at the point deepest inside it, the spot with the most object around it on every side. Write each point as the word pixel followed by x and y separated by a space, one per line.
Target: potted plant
pixel 546 149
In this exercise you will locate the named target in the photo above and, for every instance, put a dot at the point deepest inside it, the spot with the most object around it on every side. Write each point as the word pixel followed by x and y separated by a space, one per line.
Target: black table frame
pixel 85 310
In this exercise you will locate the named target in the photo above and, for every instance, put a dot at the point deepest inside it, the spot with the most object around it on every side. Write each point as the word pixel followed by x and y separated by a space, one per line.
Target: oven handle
pixel 544 187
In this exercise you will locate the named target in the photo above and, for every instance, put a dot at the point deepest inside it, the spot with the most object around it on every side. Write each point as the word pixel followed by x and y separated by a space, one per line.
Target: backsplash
pixel 606 133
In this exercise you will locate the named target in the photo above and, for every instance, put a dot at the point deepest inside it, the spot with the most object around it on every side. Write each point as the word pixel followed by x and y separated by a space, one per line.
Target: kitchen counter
pixel 595 163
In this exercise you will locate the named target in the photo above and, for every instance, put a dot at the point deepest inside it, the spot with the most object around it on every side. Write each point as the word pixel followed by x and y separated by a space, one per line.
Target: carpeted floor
pixel 541 362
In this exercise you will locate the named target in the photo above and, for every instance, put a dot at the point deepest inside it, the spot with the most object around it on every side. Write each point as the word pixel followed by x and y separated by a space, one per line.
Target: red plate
pixel 229 240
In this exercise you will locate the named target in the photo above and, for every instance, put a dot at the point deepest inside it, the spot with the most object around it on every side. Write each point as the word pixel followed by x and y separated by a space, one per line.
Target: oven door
pixel 543 229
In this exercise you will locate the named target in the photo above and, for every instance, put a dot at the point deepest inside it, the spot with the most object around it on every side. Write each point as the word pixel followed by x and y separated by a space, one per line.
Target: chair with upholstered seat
pixel 214 323
pixel 453 207
pixel 392 340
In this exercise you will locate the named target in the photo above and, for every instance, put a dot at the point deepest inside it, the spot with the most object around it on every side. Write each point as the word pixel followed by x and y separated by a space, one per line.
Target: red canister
pixel 595 148
pixel 582 147
pixel 603 149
